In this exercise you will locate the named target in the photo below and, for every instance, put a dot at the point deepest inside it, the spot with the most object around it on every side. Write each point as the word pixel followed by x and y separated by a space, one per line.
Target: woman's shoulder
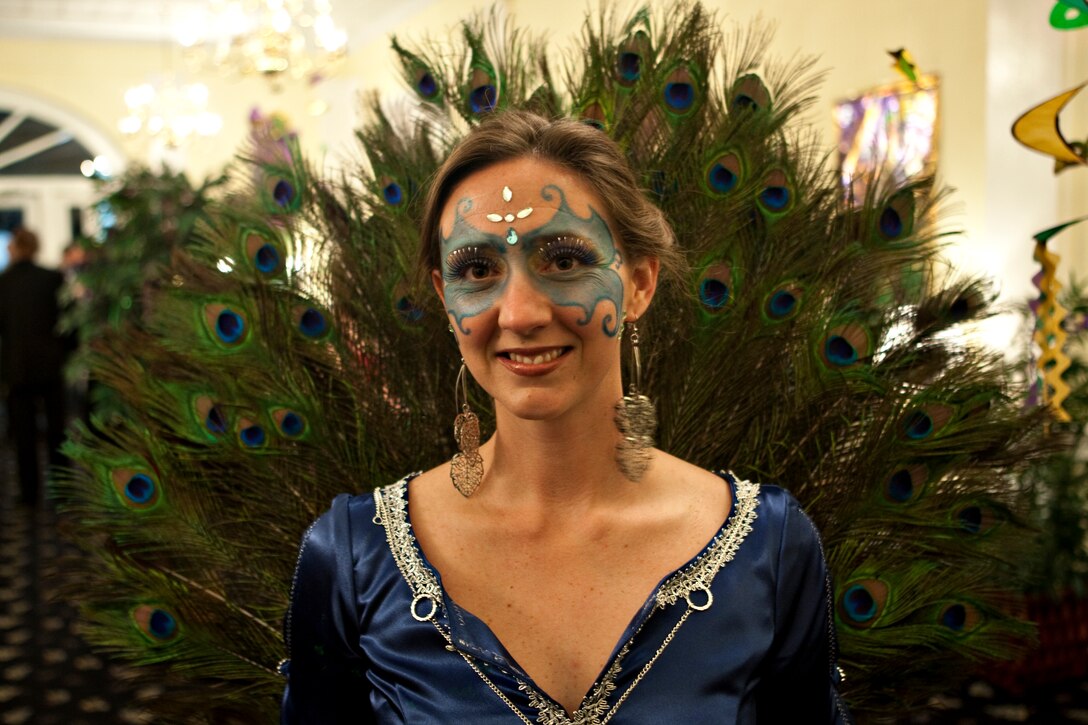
pixel 783 519
pixel 351 519
pixel 778 499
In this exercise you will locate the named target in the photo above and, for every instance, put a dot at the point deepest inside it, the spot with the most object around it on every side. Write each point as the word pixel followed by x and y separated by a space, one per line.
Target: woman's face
pixel 536 286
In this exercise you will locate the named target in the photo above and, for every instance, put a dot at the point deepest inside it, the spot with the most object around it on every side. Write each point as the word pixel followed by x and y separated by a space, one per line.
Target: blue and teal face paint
pixel 571 259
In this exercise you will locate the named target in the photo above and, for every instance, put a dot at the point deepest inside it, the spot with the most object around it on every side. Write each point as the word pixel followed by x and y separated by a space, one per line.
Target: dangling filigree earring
pixel 467 466
pixel 636 420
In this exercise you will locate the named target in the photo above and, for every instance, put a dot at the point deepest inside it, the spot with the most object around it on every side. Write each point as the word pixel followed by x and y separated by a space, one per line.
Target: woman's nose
pixel 523 306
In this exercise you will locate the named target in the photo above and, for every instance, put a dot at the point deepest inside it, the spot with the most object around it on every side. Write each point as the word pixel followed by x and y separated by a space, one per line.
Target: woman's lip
pixel 532 369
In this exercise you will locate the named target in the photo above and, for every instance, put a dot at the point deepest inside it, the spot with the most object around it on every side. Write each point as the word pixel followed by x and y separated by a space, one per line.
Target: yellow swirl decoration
pixel 1049 335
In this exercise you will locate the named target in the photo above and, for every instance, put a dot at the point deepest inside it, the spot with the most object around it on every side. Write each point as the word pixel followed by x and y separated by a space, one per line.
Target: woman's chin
pixel 536 405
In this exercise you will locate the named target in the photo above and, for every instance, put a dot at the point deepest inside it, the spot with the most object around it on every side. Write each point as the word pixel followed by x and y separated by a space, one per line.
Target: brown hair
pixel 25 242
pixel 639 224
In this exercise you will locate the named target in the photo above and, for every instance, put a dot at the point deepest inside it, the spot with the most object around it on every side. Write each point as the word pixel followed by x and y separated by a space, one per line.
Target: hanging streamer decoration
pixel 1049 314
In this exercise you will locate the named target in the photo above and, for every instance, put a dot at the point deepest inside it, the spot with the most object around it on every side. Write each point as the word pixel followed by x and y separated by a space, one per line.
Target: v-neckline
pixel 466 629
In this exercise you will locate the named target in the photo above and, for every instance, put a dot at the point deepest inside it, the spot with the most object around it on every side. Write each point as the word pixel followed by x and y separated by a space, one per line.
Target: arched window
pixel 42 147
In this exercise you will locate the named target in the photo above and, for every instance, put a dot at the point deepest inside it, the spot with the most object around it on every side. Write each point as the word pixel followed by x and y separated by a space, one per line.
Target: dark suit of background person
pixel 31 357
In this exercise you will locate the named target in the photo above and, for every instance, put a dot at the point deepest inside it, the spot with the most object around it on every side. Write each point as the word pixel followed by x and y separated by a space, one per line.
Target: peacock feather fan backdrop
pixel 293 355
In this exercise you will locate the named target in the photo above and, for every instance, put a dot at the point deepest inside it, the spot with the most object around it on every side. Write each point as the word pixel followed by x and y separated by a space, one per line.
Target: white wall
pixel 1073 183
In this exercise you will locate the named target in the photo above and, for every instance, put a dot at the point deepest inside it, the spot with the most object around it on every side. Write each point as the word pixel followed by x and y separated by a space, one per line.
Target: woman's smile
pixel 533 361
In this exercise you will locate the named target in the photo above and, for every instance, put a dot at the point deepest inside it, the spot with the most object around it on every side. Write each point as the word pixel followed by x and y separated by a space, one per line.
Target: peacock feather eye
pixel 661 185
pixel 593 115
pixel 392 192
pixel 282 193
pixel 961 308
pixel 970 519
pixel 263 253
pixel 896 219
pixel 426 85
pixel 724 174
pixel 940 311
pixel 681 91
pixel 483 96
pixel 215 421
pixel 227 325
pixel 418 74
pixel 311 321
pixel 905 484
pixel 861 602
pixel 954 617
pixel 783 302
pixel 630 60
pixel 290 423
pixel 267 259
pixel 156 623
pixel 628 68
pixel 925 421
pixel 715 287
pixel 749 94
pixel 209 415
pixel 137 489
pixel 846 345
pixel 959 617
pixel 251 434
pixel 776 197
pixel 976 519
pixel 407 310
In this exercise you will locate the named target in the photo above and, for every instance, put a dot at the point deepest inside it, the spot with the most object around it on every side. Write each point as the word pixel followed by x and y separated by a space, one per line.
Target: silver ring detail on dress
pixel 415 603
pixel 700 607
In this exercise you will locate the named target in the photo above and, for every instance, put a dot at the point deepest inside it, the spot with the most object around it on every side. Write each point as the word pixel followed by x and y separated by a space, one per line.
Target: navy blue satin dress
pixel 740 634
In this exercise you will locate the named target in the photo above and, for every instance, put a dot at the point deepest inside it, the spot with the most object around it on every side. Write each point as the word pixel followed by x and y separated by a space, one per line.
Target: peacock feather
pixel 812 344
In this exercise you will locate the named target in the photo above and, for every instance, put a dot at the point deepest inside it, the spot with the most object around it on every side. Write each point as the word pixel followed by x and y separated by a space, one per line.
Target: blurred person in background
pixel 31 357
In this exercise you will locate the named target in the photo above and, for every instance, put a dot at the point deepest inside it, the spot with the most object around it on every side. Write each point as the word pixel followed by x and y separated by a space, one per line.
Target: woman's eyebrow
pixel 544 237
pixel 472 237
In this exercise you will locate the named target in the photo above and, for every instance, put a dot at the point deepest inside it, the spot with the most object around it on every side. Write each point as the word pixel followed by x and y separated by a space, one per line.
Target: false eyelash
pixel 575 247
pixel 461 260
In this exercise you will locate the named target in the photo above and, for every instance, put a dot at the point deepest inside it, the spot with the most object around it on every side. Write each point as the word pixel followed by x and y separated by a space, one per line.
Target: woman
pixel 576 577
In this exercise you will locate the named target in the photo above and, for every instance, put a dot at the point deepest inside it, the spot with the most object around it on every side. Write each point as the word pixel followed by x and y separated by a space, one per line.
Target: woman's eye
pixel 478 271
pixel 567 253
pixel 470 264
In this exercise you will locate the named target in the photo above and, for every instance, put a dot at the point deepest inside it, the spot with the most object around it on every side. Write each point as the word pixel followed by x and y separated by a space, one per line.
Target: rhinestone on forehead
pixel 508 217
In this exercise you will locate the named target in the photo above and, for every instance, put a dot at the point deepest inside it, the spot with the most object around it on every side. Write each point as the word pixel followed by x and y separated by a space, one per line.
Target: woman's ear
pixel 436 280
pixel 644 274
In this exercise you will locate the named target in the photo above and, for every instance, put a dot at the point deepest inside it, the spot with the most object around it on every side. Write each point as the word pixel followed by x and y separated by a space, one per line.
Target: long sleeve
pixel 798 681
pixel 326 675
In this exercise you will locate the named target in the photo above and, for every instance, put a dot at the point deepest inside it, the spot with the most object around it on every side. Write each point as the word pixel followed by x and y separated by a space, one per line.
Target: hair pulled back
pixel 639 225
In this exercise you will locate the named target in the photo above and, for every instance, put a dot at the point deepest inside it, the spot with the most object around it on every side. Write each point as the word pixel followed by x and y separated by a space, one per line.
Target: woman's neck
pixel 553 464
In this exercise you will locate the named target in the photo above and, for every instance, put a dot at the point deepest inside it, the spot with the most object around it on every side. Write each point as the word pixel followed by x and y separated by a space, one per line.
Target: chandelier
pixel 169 111
pixel 277 39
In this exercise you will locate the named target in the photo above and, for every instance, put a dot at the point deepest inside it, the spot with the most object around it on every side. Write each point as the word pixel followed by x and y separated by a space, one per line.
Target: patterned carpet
pixel 49 676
